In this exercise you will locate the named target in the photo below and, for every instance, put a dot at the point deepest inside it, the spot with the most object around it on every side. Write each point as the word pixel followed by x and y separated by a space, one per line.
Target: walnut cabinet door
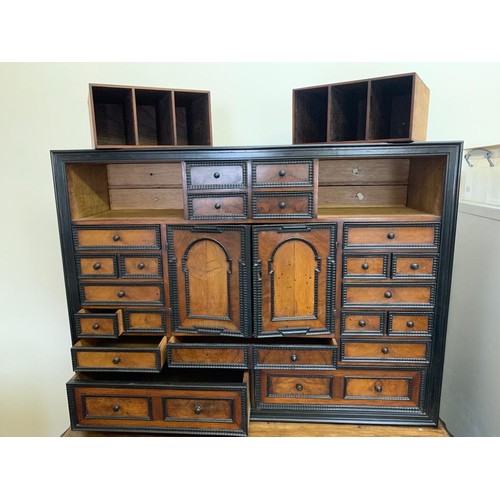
pixel 293 279
pixel 209 272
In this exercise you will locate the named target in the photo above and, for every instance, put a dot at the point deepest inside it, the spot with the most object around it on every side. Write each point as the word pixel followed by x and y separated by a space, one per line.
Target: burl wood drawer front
pixel 283 174
pixel 275 387
pixel 137 294
pixel 185 353
pixel 216 175
pixel 144 321
pixel 280 205
pixel 140 266
pixel 388 351
pixel 161 404
pixel 394 388
pixel 363 323
pixel 97 266
pixel 295 357
pixel 403 295
pixel 111 237
pixel 366 266
pixel 421 266
pixel 217 207
pixel 100 324
pixel 410 324
pixel 140 356
pixel 418 235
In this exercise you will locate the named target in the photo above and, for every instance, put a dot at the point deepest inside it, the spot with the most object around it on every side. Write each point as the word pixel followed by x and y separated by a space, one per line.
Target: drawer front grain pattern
pixel 283 174
pixel 97 266
pixel 389 351
pixel 117 407
pixel 99 324
pixel 403 295
pixel 362 323
pixel 144 321
pixel 280 205
pixel 116 237
pixel 216 175
pixel 140 266
pixel 230 206
pixel 366 266
pixel 295 357
pixel 414 266
pixel 100 294
pixel 410 323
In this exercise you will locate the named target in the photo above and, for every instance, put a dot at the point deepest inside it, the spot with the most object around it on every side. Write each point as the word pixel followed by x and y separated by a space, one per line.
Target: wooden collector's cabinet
pixel 209 287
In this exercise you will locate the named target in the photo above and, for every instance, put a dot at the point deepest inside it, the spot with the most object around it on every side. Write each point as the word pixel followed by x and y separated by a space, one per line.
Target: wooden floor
pixel 281 429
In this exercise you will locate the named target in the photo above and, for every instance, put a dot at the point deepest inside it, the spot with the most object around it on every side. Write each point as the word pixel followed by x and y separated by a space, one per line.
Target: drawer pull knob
pixel 414 266
pixel 391 236
pixel 121 293
pixel 294 357
pixel 95 326
pixel 217 206
pixel 299 387
pixel 198 409
pixel 282 173
pixel 387 295
pixel 116 237
pixel 97 266
pixel 141 265
pixel 116 407
pixel 282 204
pixel 410 324
pixel 365 266
pixel 362 323
pixel 385 350
pixel 116 360
pixel 378 388
pixel 216 175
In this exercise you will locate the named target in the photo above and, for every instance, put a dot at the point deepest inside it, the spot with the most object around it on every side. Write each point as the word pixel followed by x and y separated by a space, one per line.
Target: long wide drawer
pixel 121 293
pixel 388 295
pixel 113 237
pixel 126 356
pixel 187 403
pixel 388 351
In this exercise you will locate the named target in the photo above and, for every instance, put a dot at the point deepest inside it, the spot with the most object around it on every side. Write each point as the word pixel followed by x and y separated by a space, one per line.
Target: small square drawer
pixel 123 293
pixel 283 205
pixel 410 323
pixel 144 321
pixel 125 356
pixel 363 323
pixel 388 295
pixel 298 356
pixel 283 174
pixel 185 402
pixel 216 175
pixel 293 389
pixel 366 266
pixel 213 207
pixel 185 352
pixel 417 235
pixel 97 266
pixel 113 237
pixel 420 266
pixel 99 324
pixel 381 387
pixel 390 351
pixel 140 266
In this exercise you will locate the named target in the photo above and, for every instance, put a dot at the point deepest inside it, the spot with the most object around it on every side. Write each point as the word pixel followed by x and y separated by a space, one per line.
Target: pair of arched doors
pixel 244 281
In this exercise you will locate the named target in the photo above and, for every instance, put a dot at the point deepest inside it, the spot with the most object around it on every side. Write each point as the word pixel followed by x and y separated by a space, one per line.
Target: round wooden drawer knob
pixel 391 236
pixel 116 360
pixel 378 388
pixel 121 294
pixel 282 204
pixel 365 266
pixel 410 324
pixel 95 326
pixel 294 357
pixel 97 266
pixel 282 173
pixel 414 266
pixel 116 237
pixel 116 407
pixel 217 206
pixel 362 323
pixel 385 350
pixel 299 387
pixel 216 175
pixel 387 295
pixel 141 265
pixel 198 409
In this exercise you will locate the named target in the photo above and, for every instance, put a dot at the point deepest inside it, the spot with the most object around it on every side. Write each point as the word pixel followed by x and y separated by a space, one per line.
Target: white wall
pixel 44 107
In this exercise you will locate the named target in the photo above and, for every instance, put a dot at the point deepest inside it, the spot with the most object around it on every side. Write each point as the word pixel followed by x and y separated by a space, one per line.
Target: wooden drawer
pixel 112 237
pixel 283 205
pixel 389 351
pixel 124 356
pixel 388 295
pixel 213 207
pixel 185 352
pixel 283 174
pixel 97 266
pixel 410 324
pixel 140 266
pixel 418 235
pixel 362 323
pixel 296 356
pixel 366 266
pixel 144 321
pixel 99 324
pixel 293 388
pixel 216 175
pixel 192 403
pixel 118 294
pixel 419 266
pixel 381 387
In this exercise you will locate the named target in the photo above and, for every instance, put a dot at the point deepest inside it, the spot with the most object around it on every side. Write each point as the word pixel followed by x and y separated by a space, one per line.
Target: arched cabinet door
pixel 209 280
pixel 294 279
